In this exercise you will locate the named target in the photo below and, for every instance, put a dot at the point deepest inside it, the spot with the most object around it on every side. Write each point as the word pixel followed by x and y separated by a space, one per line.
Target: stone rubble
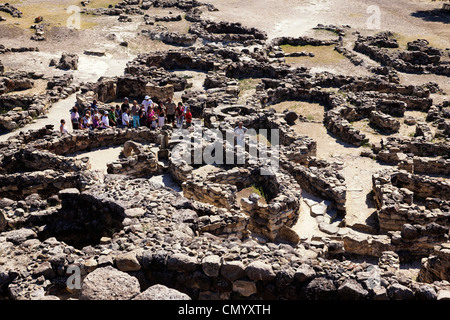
pixel 136 239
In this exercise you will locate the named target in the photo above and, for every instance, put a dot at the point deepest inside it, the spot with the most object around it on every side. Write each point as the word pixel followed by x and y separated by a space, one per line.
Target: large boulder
pixel 21 235
pixel 109 284
pixel 106 89
pixel 352 290
pixel 128 262
pixel 68 61
pixel 181 262
pixel 160 292
pixel 400 292
pixel 321 289
pixel 258 270
pixel 304 273
pixel 131 148
pixel 232 270
pixel 290 117
pixel 211 265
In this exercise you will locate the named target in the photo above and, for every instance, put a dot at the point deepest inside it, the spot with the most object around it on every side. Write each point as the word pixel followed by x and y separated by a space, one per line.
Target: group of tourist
pixel 134 115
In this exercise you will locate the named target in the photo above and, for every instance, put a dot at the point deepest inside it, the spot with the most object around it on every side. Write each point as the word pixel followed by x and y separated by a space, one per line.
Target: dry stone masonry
pixel 228 232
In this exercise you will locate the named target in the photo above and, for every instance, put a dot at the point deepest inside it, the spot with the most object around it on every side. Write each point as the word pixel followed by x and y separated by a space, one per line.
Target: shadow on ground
pixel 435 15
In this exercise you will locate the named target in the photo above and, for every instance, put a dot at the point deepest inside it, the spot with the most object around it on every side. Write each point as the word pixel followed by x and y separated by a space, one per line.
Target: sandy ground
pixel 296 18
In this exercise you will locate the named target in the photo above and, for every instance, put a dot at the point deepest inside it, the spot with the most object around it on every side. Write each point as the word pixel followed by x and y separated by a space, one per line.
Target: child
pixel 63 127
pixel 153 122
pixel 188 117
pixel 150 116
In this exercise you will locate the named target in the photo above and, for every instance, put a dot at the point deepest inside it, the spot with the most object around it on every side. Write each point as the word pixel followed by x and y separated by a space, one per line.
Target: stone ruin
pixel 206 242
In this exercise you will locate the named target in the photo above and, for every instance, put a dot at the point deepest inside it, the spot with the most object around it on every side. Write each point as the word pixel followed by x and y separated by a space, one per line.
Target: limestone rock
pixel 400 292
pixel 443 295
pixel 232 270
pixel 211 265
pixel 44 269
pixel 134 213
pixel 160 292
pixel 181 262
pixel 352 290
pixel 128 262
pixel 304 273
pixel 321 289
pixel 21 235
pixel 68 61
pixel 245 288
pixel 328 228
pixel 426 292
pixel 258 270
pixel 109 284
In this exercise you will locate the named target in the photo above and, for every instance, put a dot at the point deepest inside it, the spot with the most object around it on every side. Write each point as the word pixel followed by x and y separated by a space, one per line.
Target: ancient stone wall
pixel 435 267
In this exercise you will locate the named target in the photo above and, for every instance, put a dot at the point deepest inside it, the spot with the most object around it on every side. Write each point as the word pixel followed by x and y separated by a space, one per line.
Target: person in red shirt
pixel 188 117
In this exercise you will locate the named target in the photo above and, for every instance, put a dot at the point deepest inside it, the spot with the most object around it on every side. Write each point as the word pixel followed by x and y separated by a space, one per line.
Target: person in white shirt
pixel 63 127
pixel 105 120
pixel 87 121
pixel 239 133
pixel 147 103
pixel 74 118
pixel 126 118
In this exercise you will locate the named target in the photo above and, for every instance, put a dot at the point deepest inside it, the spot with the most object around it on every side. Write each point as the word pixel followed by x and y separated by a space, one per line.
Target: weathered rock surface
pixel 109 284
pixel 160 292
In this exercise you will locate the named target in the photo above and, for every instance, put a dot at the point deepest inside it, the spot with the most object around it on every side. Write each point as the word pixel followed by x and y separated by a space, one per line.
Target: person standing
pixel 142 116
pixel 161 112
pixel 135 114
pixel 63 127
pixel 118 115
pixel 75 118
pixel 125 119
pixel 125 105
pixel 94 105
pixel 239 133
pixel 180 115
pixel 151 119
pixel 147 103
pixel 170 111
pixel 188 117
